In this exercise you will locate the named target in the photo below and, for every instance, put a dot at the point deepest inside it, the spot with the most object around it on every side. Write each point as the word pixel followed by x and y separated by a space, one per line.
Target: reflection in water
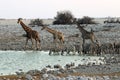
pixel 12 61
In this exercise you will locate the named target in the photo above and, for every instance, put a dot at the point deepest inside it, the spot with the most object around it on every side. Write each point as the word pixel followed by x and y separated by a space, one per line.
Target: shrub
pixel 112 20
pixel 37 22
pixel 64 17
pixel 86 20
pixel 117 21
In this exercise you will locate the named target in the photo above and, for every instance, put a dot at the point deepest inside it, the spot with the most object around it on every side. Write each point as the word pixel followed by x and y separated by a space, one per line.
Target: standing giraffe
pixel 31 34
pixel 56 34
pixel 86 35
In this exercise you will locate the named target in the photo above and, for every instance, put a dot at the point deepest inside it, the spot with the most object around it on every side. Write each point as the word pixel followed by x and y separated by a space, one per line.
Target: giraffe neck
pixel 51 31
pixel 82 30
pixel 26 28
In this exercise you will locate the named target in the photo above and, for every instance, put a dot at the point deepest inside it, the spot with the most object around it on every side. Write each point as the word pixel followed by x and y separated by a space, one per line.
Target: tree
pixel 64 17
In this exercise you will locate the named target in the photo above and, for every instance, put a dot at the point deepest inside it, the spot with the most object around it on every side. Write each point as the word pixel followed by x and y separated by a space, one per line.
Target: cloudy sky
pixel 49 8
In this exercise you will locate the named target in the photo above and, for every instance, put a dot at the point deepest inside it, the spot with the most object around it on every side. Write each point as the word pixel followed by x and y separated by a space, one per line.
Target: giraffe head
pixel 19 20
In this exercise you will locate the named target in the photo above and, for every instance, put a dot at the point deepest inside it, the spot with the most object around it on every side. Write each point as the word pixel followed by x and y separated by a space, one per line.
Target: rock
pixel 106 78
pixel 45 76
pixel 68 66
pixel 62 70
pixel 57 66
pixel 28 77
pixel 52 77
pixel 48 66
pixel 44 70
pixel 20 74
pixel 33 72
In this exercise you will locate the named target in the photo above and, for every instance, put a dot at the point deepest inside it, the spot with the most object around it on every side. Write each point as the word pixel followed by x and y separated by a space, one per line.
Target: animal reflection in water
pixel 65 50
pixel 106 48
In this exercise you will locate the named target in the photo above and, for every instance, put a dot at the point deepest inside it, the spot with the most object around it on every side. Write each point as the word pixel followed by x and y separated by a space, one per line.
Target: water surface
pixel 12 61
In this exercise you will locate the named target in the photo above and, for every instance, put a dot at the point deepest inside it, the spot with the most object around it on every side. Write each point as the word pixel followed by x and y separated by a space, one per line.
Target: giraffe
pixel 30 34
pixel 86 35
pixel 56 34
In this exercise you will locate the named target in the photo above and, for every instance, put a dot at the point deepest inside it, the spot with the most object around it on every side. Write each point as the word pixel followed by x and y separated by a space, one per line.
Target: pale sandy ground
pixel 11 39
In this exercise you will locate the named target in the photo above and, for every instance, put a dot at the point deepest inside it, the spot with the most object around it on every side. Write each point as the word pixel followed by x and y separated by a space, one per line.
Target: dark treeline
pixel 65 18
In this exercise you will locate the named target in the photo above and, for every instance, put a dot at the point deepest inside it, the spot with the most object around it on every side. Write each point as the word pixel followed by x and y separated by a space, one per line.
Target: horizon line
pixel 53 18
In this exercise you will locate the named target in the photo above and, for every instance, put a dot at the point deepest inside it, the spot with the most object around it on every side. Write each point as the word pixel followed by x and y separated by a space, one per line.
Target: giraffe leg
pixel 26 43
pixel 83 46
pixel 32 43
pixel 36 44
pixel 92 46
pixel 39 45
pixel 61 43
pixel 55 41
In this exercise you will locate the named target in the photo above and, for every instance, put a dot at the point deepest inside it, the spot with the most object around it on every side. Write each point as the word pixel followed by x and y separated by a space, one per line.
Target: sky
pixel 13 9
